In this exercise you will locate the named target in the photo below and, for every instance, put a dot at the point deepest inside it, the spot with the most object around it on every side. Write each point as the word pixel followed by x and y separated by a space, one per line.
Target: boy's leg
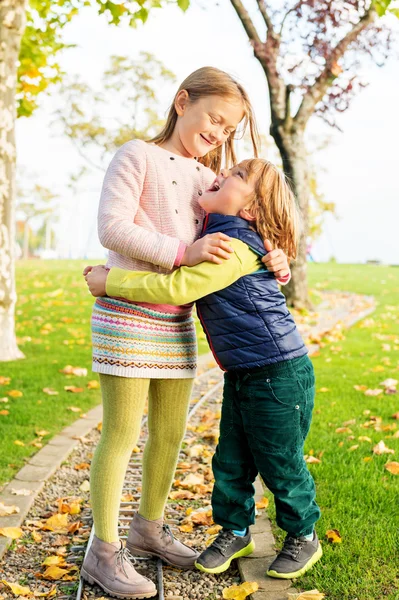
pixel 277 423
pixel 232 499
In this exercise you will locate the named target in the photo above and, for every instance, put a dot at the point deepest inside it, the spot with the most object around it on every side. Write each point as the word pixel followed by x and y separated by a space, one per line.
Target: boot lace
pixel 167 532
pixel 224 539
pixel 292 546
pixel 123 555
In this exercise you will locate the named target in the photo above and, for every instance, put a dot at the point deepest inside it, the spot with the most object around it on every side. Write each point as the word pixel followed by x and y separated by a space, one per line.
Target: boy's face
pixel 230 193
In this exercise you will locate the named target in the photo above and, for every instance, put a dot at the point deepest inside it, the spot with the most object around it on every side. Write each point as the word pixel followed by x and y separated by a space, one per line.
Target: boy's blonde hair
pixel 209 81
pixel 273 205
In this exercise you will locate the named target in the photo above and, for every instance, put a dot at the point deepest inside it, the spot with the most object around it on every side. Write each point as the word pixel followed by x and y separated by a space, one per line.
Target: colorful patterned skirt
pixel 133 341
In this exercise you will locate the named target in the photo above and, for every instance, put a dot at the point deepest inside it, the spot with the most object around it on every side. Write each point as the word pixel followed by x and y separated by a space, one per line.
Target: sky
pixel 357 171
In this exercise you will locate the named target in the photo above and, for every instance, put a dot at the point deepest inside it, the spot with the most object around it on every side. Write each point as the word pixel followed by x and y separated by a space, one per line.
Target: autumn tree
pixel 311 53
pixel 30 43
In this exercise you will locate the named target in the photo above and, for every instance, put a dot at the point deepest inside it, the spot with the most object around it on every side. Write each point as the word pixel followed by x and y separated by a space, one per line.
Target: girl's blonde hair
pixel 273 205
pixel 209 81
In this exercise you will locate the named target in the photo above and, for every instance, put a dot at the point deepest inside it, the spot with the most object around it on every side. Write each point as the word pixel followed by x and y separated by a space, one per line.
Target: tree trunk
pixel 291 144
pixel 12 25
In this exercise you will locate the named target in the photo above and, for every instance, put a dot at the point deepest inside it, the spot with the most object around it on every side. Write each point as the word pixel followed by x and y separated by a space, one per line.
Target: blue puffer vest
pixel 248 324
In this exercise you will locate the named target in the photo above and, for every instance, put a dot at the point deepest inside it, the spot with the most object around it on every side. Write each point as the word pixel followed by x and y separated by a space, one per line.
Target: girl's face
pixel 206 124
pixel 230 194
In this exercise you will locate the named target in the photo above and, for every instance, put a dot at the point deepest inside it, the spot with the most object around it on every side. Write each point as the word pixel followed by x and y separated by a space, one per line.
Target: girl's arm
pixel 183 286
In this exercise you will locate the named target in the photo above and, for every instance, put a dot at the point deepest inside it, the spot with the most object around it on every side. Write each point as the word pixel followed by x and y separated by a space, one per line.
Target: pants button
pixel 267 380
pixel 297 407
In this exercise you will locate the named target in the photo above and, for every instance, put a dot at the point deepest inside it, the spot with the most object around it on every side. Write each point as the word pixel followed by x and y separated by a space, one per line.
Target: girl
pixel 269 381
pixel 149 217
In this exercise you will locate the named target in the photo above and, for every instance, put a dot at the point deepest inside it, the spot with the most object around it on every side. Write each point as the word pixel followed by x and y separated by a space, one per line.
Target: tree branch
pixel 246 21
pixel 316 92
pixel 266 17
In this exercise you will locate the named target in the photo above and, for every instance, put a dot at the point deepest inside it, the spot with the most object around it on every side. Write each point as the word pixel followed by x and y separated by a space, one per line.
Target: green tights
pixel 123 401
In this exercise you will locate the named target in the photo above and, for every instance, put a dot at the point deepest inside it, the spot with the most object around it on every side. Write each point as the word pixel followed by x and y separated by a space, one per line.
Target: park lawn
pixel 356 494
pixel 53 328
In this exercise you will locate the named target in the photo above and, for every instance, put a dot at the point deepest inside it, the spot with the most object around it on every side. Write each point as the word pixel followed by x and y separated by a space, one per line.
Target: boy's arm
pixel 185 285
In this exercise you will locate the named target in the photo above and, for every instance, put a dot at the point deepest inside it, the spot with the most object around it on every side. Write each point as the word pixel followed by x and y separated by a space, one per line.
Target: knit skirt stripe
pixel 134 341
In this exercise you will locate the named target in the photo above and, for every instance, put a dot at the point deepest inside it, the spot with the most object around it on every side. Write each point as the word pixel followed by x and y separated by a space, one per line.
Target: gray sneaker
pixel 226 547
pixel 297 556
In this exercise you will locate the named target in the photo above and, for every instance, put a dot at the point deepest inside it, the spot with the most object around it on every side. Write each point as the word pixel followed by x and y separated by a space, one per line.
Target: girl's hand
pixel 276 261
pixel 212 248
pixel 96 279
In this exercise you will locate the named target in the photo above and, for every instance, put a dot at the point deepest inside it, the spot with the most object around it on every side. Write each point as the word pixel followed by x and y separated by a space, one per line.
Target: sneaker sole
pixel 92 580
pixel 244 552
pixel 148 554
pixel 295 574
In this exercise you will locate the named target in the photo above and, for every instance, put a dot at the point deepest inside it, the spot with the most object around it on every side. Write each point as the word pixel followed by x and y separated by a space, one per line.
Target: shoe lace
pixel 167 532
pixel 123 555
pixel 292 546
pixel 224 539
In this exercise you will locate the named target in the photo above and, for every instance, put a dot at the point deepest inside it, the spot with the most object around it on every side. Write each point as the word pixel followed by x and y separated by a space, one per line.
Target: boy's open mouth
pixel 215 187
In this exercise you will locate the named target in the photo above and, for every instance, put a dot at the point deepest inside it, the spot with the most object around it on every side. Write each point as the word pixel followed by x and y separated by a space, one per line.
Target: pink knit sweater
pixel 149 209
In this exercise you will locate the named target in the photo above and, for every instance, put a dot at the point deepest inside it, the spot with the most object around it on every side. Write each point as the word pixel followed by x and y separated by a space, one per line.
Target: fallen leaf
pixel 367 458
pixel 73 390
pixel 99 426
pixel 53 573
pixel 240 592
pixel 4 380
pixel 22 492
pixel 36 536
pixel 50 594
pixel 85 486
pixel 264 503
pixel 360 388
pixel 93 385
pixel 12 532
pixel 381 448
pixel 375 392
pixel 389 383
pixel 334 536
pixel 352 448
pixel 364 438
pixel 17 590
pixel 312 460
pixel 389 391
pixel 350 422
pixel 58 523
pixel 181 495
pixel 4 412
pixel 311 595
pixel 82 466
pixel 195 450
pixel 41 432
pixel 186 528
pixel 202 518
pixel 343 430
pixel 392 467
pixel 192 479
pixel 19 443
pixel 8 510
pixel 77 371
pixel 213 530
pixel 323 389
pixel 50 391
pixel 15 394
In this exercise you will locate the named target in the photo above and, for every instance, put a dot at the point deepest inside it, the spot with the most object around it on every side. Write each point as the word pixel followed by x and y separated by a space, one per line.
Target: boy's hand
pixel 213 247
pixel 276 261
pixel 96 279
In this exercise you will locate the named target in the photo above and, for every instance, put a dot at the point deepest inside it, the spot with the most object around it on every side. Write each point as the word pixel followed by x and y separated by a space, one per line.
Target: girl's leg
pixel 168 403
pixel 123 400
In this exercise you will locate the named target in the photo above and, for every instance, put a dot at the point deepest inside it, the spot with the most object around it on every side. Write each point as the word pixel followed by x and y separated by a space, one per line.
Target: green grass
pixel 358 498
pixel 53 328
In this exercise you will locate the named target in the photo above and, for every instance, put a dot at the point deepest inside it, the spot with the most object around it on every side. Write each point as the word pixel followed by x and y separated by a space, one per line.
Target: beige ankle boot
pixel 109 566
pixel 155 538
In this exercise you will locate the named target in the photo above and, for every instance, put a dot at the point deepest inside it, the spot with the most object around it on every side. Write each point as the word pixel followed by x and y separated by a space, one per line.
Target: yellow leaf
pixel 323 389
pixel 93 385
pixel 73 390
pixel 375 392
pixel 4 412
pixel 352 448
pixel 15 394
pixel 4 380
pixel 53 573
pixel 50 594
pixel 36 536
pixel 181 495
pixel 364 438
pixel 311 595
pixel 240 592
pixel 41 432
pixel 213 530
pixel 186 528
pixel 53 560
pixel 312 460
pixel 17 590
pixel 343 430
pixel 264 503
pixel 334 536
pixel 85 486
pixel 56 523
pixel 19 443
pixel 392 467
pixel 367 458
pixel 360 388
pixel 82 466
pixel 12 532
pixel 99 426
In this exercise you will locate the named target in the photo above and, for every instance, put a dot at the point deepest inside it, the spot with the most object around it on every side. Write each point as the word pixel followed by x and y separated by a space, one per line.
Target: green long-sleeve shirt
pixel 186 284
